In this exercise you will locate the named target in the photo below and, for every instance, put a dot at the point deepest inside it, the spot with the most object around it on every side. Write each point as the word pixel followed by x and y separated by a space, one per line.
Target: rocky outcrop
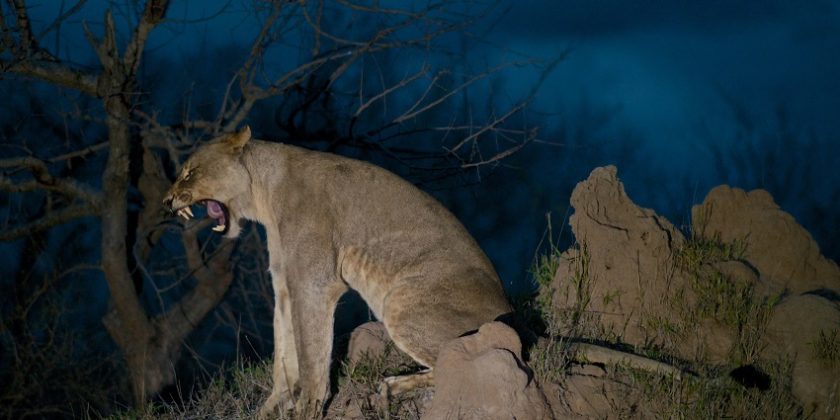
pixel 749 286
pixel 799 329
pixel 792 270
pixel 482 376
pixel 785 254
pixel 624 263
pixel 587 392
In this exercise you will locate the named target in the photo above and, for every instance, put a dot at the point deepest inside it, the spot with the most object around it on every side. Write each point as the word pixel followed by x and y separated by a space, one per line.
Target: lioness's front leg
pixel 285 372
pixel 313 309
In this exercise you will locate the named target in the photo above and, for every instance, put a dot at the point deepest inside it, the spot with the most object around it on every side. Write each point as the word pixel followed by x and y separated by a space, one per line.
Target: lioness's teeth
pixel 219 228
pixel 189 211
pixel 184 213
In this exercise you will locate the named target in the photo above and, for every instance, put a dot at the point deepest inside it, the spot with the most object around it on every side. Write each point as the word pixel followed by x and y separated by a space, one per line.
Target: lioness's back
pixel 373 203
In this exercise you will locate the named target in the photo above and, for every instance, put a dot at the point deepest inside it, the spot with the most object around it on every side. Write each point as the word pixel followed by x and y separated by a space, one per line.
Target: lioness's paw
pixel 306 408
pixel 274 407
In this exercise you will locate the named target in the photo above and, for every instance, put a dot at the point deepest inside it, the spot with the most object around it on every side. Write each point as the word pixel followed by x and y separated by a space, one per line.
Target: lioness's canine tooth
pixel 219 228
pixel 188 210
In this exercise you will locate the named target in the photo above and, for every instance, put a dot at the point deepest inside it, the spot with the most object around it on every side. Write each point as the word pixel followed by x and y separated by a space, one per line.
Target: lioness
pixel 333 222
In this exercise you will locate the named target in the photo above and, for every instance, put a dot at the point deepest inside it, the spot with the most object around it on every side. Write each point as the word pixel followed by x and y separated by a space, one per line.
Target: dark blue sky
pixel 668 68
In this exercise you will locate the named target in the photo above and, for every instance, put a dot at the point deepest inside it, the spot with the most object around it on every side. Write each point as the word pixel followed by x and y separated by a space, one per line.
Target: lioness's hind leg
pixel 424 314
pixel 396 385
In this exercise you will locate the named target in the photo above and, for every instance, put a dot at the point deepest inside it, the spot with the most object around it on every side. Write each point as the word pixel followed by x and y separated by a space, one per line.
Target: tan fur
pixel 332 223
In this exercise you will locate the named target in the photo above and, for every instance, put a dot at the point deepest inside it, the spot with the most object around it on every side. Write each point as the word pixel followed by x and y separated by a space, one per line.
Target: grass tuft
pixel 827 347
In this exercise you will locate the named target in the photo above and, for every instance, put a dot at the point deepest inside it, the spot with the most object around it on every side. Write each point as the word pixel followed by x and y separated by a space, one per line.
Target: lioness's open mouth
pixel 215 210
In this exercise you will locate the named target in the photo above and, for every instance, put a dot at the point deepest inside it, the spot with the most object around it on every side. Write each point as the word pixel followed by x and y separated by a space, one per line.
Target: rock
pixel 590 392
pixel 780 249
pixel 793 333
pixel 594 397
pixel 626 253
pixel 788 263
pixel 369 339
pixel 482 376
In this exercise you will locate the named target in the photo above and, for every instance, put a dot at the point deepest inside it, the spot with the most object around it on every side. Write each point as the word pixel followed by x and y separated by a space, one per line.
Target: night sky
pixel 680 95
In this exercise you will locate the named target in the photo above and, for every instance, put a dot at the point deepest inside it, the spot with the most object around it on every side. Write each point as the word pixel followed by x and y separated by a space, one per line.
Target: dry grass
pixel 235 396
pixel 713 394
pixel 239 393
pixel 827 347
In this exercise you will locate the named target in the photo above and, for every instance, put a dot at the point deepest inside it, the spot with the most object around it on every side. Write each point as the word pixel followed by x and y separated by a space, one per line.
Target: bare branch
pixel 46 181
pixel 52 72
pixel 490 126
pixel 6 42
pixel 246 73
pixel 299 74
pixel 153 13
pixel 30 61
pixel 29 45
pixel 402 83
pixel 378 9
pixel 79 153
pixel 49 220
pixel 59 20
pixel 66 187
pixel 250 92
pixel 213 279
pixel 106 49
pixel 497 157
pixel 414 112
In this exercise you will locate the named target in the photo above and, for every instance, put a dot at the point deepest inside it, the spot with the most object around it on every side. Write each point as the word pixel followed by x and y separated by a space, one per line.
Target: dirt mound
pixel 749 287
pixel 805 329
pixel 785 254
pixel 482 376
pixel 623 265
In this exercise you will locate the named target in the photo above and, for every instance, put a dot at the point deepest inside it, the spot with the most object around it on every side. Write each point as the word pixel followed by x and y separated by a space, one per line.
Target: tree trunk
pixel 150 347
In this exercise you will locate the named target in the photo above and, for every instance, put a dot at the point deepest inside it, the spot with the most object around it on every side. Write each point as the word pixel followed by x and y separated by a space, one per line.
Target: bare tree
pixel 331 91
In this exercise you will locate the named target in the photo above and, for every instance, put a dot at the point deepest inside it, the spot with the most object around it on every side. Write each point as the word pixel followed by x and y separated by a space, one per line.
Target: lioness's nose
pixel 167 202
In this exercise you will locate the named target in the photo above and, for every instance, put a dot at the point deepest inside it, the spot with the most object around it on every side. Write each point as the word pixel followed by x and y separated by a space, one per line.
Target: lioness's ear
pixel 238 140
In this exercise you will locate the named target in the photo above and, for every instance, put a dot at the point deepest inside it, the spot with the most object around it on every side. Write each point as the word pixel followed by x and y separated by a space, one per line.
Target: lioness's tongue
pixel 214 209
